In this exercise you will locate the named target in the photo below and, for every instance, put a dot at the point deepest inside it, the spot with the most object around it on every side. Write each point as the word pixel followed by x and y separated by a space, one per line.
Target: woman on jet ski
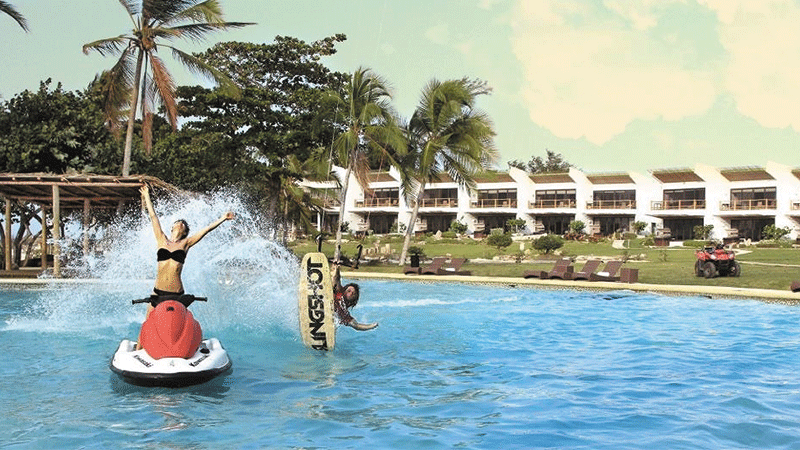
pixel 172 250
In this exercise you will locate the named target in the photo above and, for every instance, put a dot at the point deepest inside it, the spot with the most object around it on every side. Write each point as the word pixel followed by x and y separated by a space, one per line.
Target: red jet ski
pixel 173 353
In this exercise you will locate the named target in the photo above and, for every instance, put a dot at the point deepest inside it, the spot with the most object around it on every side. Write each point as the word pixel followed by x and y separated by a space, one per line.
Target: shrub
pixel 548 243
pixel 702 232
pixel 515 224
pixel 458 227
pixel 771 232
pixel 501 241
pixel 415 250
pixel 638 226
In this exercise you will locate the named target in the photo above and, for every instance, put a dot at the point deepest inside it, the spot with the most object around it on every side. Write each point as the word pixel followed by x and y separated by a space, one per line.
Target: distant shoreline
pixel 785 297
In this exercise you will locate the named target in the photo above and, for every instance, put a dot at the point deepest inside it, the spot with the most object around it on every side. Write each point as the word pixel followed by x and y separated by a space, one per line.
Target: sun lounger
pixel 433 267
pixel 453 268
pixel 411 270
pixel 559 270
pixel 586 271
pixel 609 272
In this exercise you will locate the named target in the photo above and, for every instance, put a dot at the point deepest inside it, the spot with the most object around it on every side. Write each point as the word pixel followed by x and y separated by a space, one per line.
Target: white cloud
pixel 592 69
pixel 762 39
pixel 438 34
pixel 591 72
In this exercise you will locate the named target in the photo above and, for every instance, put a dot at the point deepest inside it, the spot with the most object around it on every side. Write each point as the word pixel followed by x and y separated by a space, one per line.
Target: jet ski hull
pixel 138 368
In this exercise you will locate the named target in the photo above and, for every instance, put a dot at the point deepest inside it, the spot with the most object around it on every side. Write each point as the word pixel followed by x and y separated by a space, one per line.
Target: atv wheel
pixel 735 270
pixel 709 271
pixel 698 268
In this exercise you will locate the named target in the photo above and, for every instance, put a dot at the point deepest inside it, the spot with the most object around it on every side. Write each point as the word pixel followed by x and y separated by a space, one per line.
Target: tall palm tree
pixel 154 23
pixel 368 128
pixel 7 8
pixel 446 134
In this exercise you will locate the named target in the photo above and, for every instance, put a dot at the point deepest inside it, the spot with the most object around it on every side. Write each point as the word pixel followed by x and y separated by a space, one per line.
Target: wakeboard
pixel 315 303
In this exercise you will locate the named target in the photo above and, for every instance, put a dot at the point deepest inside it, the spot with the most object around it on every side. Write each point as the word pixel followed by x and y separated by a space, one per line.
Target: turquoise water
pixel 450 366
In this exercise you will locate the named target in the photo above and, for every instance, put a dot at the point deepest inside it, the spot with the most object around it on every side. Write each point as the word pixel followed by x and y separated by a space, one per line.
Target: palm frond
pixel 198 67
pixel 9 9
pixel 164 88
pixel 131 6
pixel 109 46
pixel 208 11
pixel 162 11
pixel 198 31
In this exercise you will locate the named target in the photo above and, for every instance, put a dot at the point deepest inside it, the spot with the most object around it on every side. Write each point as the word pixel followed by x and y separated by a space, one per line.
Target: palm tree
pixel 446 134
pixel 368 128
pixel 7 8
pixel 154 23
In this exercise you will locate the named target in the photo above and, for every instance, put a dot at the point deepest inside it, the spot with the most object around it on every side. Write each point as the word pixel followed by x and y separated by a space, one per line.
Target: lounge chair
pixel 562 269
pixel 609 273
pixel 453 268
pixel 586 271
pixel 559 270
pixel 433 267
pixel 411 270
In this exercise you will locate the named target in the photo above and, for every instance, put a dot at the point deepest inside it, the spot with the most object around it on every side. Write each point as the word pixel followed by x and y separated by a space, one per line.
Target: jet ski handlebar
pixel 154 300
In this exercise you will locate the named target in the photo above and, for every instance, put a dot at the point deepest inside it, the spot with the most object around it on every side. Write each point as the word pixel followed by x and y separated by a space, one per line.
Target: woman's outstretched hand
pixel 229 215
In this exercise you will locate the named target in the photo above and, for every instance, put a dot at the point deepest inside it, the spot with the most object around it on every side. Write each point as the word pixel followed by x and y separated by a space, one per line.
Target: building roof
pixel 377 177
pixel 551 178
pixel 610 178
pixel 493 177
pixel 102 191
pixel 746 174
pixel 676 175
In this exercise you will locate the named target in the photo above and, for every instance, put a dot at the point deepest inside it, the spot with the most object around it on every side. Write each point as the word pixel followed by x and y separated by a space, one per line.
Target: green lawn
pixel 764 268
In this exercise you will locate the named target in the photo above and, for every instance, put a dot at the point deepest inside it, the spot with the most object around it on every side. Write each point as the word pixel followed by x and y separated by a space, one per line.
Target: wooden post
pixel 7 239
pixel 87 204
pixel 56 231
pixel 44 237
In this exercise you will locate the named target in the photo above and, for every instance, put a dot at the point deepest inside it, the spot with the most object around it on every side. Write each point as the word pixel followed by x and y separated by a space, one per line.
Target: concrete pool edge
pixel 773 295
pixel 769 295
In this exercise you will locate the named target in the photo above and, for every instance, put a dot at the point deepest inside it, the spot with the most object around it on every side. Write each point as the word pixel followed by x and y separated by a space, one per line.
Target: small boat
pixel 173 352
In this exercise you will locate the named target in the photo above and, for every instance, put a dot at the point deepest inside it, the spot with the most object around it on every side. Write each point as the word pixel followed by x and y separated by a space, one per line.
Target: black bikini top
pixel 178 255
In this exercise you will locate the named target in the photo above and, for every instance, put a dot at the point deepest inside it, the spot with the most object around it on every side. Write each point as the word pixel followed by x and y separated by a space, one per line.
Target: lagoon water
pixel 450 366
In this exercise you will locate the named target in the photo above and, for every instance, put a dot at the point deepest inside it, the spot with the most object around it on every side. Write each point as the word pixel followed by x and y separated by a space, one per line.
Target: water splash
pixel 249 279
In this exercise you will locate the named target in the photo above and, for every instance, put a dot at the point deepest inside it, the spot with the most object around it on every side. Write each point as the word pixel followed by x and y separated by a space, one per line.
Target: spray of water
pixel 249 279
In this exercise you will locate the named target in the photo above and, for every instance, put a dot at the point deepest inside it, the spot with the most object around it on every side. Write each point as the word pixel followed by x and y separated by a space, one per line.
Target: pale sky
pixel 612 85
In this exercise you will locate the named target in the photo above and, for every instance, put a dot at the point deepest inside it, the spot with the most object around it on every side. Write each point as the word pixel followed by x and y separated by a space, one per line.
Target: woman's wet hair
pixel 354 301
pixel 185 227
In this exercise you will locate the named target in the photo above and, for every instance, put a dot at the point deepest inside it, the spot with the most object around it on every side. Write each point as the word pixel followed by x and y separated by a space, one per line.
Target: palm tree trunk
pixel 126 156
pixel 342 199
pixel 410 228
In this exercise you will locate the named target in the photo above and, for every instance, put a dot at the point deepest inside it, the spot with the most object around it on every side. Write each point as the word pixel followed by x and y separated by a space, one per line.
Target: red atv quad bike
pixel 713 261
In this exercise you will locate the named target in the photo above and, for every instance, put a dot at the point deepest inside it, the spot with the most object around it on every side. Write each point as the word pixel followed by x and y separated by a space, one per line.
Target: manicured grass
pixel 762 268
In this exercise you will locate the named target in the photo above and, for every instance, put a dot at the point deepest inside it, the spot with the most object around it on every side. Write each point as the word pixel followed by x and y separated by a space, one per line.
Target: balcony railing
pixel 748 205
pixel 660 205
pixel 554 203
pixel 611 204
pixel 376 202
pixel 439 203
pixel 494 203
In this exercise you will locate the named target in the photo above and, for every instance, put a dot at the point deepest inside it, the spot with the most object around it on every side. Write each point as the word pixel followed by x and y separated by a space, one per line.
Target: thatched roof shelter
pixel 66 193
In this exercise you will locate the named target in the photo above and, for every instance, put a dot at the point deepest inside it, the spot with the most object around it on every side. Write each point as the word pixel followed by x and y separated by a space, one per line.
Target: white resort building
pixel 738 202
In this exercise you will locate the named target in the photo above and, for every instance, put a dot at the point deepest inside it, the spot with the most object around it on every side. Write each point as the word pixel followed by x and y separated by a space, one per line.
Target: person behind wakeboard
pixel 345 298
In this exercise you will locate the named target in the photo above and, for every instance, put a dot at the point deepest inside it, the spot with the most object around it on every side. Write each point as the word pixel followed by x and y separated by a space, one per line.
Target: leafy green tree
pixel 554 163
pixel 775 233
pixel 259 141
pixel 9 9
pixel 54 131
pixel 155 23
pixel 446 134
pixel 368 127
